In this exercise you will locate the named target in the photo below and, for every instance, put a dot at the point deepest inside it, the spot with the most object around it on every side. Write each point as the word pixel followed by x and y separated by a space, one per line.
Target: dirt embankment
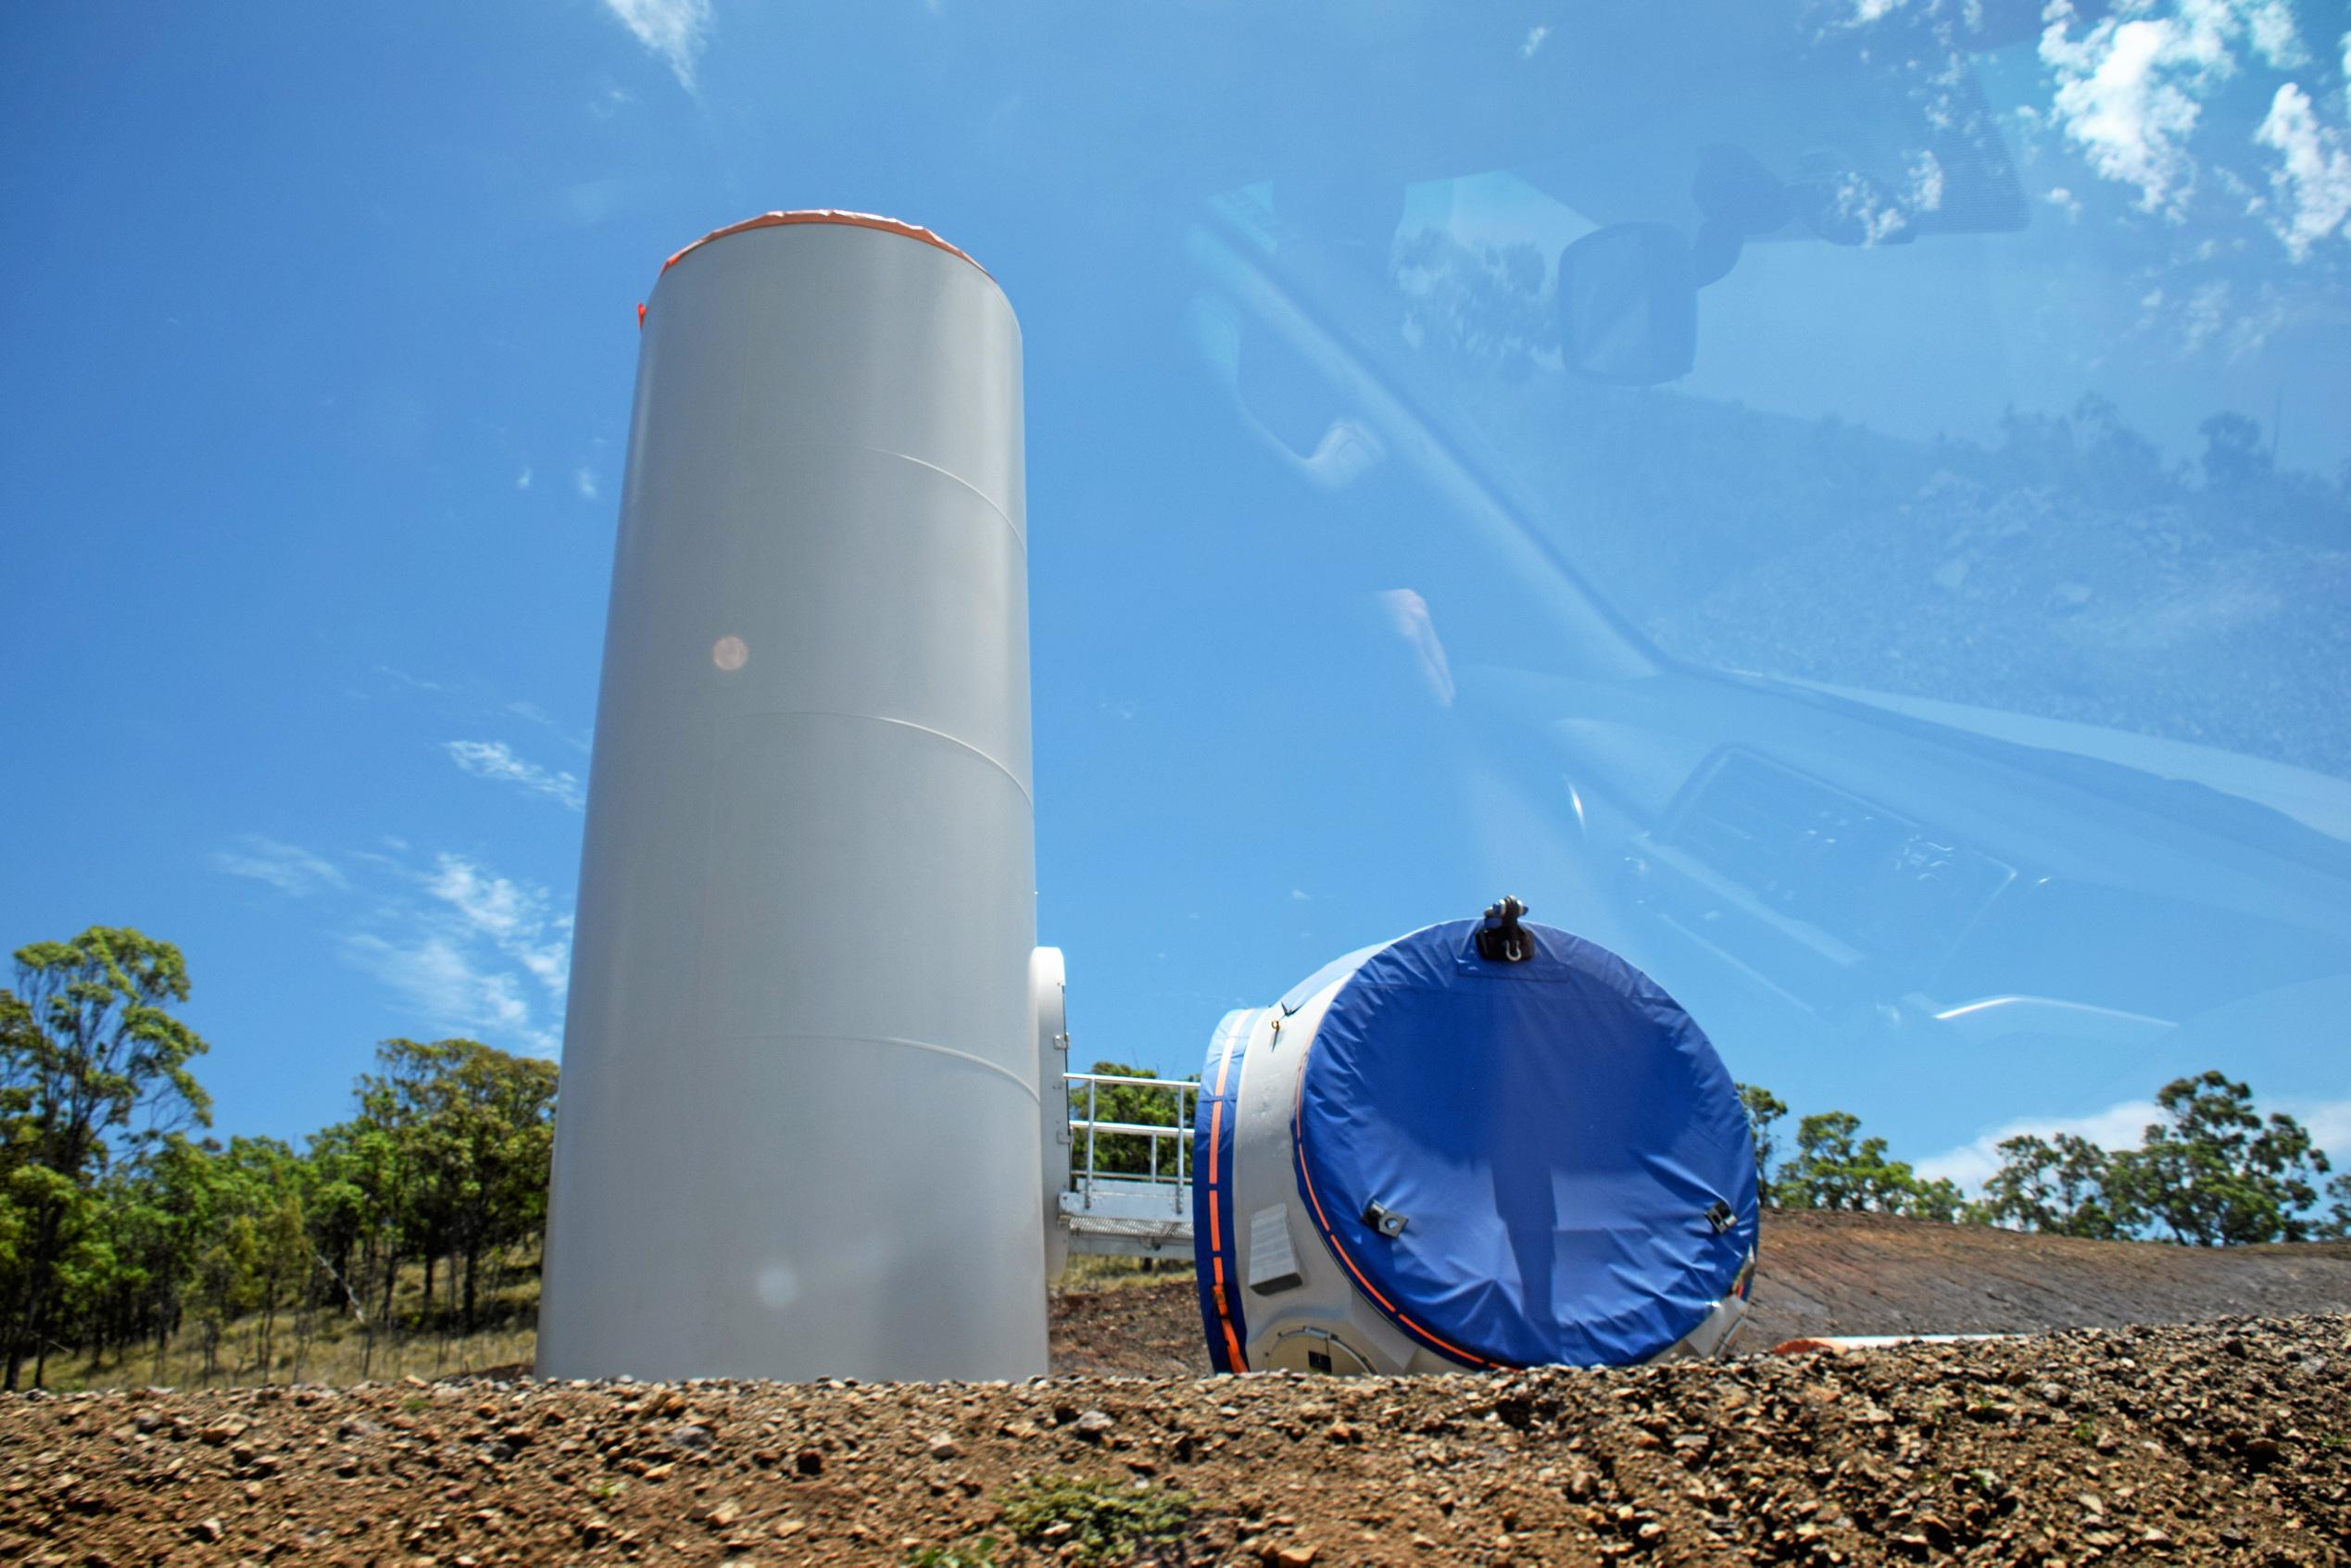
pixel 2216 1443
pixel 1851 1274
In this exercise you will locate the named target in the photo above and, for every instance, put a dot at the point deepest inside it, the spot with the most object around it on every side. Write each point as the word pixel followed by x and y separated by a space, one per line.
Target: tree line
pixel 2213 1172
pixel 123 1228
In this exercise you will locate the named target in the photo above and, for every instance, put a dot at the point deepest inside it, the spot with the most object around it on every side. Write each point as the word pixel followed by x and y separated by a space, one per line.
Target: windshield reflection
pixel 1938 654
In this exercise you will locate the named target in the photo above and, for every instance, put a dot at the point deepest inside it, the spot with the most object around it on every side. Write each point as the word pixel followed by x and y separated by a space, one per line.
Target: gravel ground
pixel 2223 1442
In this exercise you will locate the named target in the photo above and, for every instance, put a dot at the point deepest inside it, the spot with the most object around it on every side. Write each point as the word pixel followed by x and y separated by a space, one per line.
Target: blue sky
pixel 322 334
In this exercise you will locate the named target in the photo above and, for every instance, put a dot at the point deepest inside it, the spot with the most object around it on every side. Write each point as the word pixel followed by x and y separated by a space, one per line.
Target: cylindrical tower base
pixel 799 1117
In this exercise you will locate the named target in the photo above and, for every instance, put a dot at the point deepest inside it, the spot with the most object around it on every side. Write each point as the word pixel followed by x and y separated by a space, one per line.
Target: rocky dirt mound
pixel 1850 1273
pixel 2224 1442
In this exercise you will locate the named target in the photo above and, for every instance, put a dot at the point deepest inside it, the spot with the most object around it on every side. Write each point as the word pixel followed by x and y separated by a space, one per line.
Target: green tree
pixel 94 1064
pixel 1765 1110
pixel 2065 1185
pixel 470 1130
pixel 2214 1173
pixel 1836 1168
pixel 2336 1226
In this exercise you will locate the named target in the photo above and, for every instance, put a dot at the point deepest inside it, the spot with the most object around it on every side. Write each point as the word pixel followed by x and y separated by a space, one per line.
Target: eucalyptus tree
pixel 93 1065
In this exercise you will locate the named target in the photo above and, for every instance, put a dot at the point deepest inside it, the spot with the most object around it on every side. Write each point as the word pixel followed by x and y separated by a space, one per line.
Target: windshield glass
pixel 1842 502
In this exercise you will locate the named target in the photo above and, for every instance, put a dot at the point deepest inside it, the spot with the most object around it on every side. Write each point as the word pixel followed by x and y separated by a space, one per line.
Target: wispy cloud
pixel 523 480
pixel 465 950
pixel 541 717
pixel 584 480
pixel 516 918
pixel 1407 613
pixel 406 681
pixel 286 867
pixel 496 760
pixel 468 954
pixel 1535 36
pixel 1299 895
pixel 673 30
pixel 450 991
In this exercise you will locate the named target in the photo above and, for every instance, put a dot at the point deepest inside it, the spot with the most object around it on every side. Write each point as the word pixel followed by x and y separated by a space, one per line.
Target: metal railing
pixel 1141 1211
pixel 1182 1092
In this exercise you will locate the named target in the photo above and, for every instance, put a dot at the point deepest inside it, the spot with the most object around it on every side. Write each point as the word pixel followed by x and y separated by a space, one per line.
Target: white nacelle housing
pixel 1423 1159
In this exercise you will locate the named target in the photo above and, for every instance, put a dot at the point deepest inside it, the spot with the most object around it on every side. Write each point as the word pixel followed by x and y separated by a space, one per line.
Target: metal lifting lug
pixel 1502 939
pixel 1387 1222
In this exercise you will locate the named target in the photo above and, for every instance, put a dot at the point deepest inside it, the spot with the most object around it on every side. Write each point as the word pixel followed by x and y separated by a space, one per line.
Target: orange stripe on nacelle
pixel 1323 1223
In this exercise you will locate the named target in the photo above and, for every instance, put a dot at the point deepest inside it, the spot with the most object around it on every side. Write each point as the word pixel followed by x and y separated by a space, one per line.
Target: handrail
pixel 1087 1178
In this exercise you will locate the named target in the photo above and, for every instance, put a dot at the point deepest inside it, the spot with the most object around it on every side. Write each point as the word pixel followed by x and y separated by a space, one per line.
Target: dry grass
pixel 325 1345
pixel 346 1360
pixel 1088 1271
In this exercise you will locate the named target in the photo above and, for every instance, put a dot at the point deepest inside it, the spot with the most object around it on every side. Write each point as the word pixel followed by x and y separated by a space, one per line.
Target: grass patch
pixel 1087 1270
pixel 1094 1522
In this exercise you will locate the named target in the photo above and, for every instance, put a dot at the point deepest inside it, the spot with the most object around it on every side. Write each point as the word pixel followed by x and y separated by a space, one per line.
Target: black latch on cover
pixel 1502 939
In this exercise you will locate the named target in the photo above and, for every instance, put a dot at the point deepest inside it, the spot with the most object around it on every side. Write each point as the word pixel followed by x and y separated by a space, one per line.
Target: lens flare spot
pixel 729 653
pixel 778 1286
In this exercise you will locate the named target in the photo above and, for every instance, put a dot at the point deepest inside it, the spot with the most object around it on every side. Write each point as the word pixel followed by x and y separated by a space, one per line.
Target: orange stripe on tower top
pixel 824 215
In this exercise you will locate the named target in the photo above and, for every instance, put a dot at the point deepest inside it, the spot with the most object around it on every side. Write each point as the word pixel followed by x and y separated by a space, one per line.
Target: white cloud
pixel 496 760
pixel 2329 1122
pixel 2131 88
pixel 516 918
pixel 673 30
pixel 2117 1126
pixel 2312 182
pixel 584 480
pixel 523 480
pixel 1299 895
pixel 2127 92
pixel 2274 39
pixel 285 867
pixel 2122 1126
pixel 1535 37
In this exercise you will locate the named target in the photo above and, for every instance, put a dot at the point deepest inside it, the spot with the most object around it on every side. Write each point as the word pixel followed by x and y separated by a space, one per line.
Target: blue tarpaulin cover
pixel 1553 1133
